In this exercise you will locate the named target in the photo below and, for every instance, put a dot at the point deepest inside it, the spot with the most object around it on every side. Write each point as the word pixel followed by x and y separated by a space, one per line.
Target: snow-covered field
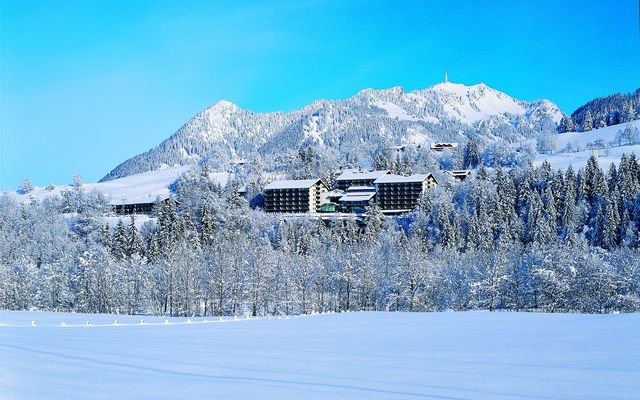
pixel 471 355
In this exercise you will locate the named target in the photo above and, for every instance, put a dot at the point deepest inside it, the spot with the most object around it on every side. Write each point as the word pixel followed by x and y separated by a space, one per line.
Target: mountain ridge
pixel 369 119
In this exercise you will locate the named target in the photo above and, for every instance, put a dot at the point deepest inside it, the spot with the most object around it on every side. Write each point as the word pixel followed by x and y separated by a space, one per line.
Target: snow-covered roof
pixel 397 211
pixel 335 193
pixel 139 200
pixel 391 178
pixel 351 174
pixel 443 145
pixel 292 184
pixel 459 172
pixel 361 188
pixel 359 196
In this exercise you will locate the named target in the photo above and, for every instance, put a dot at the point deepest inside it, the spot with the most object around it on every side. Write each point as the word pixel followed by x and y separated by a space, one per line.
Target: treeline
pixel 603 111
pixel 524 239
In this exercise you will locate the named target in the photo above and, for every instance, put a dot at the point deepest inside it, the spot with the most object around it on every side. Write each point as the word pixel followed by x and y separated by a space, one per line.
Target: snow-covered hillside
pixel 467 355
pixel 582 140
pixel 575 148
pixel 139 188
pixel 446 111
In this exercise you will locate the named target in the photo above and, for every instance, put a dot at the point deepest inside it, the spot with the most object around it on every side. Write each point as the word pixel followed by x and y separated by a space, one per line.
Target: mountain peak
pixel 224 105
pixel 458 88
pixel 395 90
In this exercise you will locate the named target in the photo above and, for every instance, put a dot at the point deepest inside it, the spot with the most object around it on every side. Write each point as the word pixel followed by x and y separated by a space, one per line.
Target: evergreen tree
pixel 534 232
pixel 206 225
pixel 628 113
pixel 381 161
pixel 396 168
pixel 374 223
pixel 504 211
pixel 26 186
pixel 567 217
pixel 587 124
pixel 471 155
pixel 612 178
pixel 425 203
pixel 592 175
pixel 482 173
pixel 608 221
pixel 566 125
pixel 134 240
pixel 168 229
pixel 548 230
pixel 119 241
pixel 106 236
pixel 447 233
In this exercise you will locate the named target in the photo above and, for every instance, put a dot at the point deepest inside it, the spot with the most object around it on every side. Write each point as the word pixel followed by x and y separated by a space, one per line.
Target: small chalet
pixel 443 146
pixel 459 175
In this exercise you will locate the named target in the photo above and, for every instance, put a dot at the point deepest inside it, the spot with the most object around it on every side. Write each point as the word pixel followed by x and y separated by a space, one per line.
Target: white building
pixel 397 194
pixel 294 196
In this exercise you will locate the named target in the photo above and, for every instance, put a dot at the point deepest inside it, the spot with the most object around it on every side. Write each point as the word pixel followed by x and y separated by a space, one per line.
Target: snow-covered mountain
pixel 466 104
pixel 368 120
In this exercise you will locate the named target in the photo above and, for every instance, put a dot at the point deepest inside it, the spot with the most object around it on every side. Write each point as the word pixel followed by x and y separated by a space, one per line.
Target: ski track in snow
pixel 448 355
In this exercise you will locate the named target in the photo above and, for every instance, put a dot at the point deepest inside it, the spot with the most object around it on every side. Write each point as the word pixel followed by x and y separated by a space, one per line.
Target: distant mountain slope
pixel 360 124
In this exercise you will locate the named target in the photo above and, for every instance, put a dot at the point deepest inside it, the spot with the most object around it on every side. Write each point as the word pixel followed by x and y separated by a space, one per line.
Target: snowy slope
pixel 575 147
pixel 562 160
pixel 607 135
pixel 462 356
pixel 475 103
pixel 438 113
pixel 465 104
pixel 139 188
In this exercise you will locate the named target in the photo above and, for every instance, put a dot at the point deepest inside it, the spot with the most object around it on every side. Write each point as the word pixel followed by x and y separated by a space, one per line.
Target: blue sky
pixel 85 84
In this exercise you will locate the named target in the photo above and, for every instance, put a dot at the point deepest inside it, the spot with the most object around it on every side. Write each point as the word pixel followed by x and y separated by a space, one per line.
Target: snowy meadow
pixel 363 355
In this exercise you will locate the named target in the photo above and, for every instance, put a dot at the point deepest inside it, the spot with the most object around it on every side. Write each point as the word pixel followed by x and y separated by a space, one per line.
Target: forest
pixel 603 111
pixel 526 238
